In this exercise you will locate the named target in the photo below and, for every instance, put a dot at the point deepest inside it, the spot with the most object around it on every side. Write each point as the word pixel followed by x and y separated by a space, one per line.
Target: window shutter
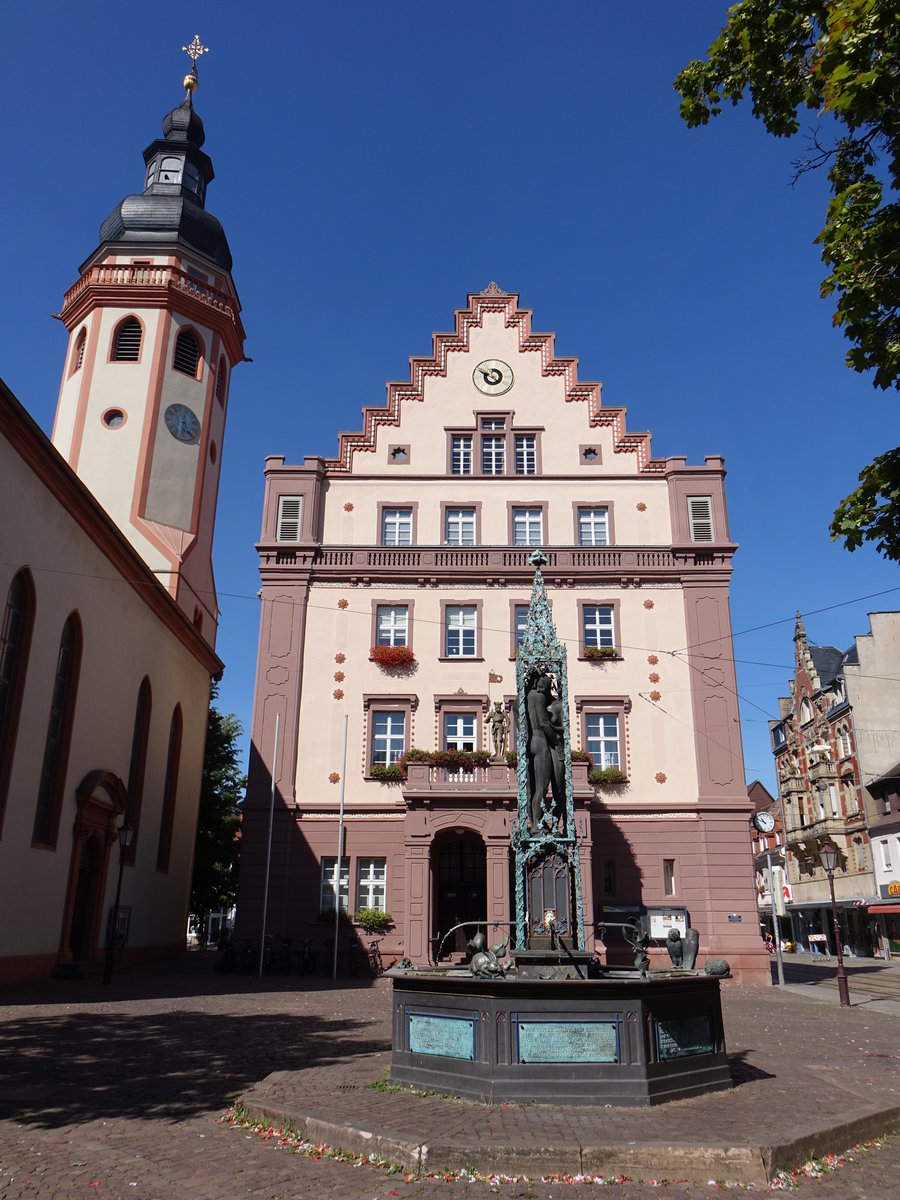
pixel 289 512
pixel 700 518
pixel 187 354
pixel 128 341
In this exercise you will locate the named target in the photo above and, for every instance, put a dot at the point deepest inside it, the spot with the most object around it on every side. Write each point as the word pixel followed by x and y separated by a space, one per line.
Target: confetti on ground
pixel 291 1140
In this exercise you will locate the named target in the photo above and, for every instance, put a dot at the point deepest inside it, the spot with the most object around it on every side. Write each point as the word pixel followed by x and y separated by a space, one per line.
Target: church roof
pixel 167 213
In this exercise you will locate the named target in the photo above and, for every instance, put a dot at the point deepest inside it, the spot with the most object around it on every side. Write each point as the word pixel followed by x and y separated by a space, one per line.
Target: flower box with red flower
pixel 392 658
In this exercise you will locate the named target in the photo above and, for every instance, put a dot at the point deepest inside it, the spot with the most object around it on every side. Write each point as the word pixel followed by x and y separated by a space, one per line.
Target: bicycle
pixel 376 966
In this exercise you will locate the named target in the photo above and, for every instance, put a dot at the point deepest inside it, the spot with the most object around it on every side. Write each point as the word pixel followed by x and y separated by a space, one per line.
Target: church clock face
pixel 493 377
pixel 183 423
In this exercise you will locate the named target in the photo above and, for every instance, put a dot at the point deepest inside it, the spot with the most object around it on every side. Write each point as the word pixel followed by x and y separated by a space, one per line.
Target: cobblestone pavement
pixel 115 1092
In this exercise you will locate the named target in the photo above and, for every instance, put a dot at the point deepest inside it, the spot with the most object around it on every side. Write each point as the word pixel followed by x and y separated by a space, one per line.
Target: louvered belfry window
pixel 79 353
pixel 128 341
pixel 220 381
pixel 290 509
pixel 187 354
pixel 700 518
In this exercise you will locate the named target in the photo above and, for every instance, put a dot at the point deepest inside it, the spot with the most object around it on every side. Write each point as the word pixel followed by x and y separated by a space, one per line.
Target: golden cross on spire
pixel 194 50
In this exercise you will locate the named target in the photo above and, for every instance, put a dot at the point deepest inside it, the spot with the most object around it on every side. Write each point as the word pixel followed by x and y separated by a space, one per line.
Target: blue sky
pixel 375 162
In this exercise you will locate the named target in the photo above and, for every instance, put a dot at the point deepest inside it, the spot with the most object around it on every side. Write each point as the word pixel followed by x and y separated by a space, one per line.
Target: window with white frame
pixel 396 527
pixel 460 631
pixel 832 796
pixel 601 736
pixel 669 884
pixel 526 454
pixel 290 512
pixel 459 731
pixel 885 853
pixel 331 885
pixel 461 459
pixel 388 737
pixel 371 877
pixel 520 617
pixel 598 626
pixel 593 527
pixel 528 526
pixel 459 526
pixel 392 625
pixel 700 518
pixel 493 454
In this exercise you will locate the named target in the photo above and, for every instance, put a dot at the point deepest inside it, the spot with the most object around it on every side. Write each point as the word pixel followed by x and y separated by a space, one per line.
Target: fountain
pixel 547 1021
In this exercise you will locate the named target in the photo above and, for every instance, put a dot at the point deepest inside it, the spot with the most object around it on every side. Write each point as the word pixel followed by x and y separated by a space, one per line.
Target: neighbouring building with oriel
pixel 395 585
pixel 836 743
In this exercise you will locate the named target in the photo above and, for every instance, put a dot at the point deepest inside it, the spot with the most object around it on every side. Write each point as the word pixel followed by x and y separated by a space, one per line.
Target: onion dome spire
pixel 172 204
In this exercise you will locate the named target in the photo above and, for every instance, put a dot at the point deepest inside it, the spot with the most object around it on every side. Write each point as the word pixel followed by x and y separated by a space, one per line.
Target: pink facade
pixel 418 534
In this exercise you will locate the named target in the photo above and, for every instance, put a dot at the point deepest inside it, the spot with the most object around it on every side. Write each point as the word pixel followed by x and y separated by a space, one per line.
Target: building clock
pixel 493 377
pixel 763 822
pixel 183 423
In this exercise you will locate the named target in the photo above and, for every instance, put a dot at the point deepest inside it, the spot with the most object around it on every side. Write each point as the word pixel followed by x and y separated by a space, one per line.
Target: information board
pixel 445 1037
pixel 661 920
pixel 568 1041
pixel 684 1036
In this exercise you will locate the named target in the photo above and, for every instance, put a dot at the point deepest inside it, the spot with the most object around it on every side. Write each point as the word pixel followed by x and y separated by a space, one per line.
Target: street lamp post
pixel 828 856
pixel 124 834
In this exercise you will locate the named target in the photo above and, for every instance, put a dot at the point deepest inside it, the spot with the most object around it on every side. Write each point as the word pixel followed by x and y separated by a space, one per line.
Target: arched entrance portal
pixel 84 907
pixel 100 800
pixel 459 872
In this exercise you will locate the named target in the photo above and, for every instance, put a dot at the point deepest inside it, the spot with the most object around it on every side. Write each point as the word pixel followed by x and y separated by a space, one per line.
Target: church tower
pixel 154 334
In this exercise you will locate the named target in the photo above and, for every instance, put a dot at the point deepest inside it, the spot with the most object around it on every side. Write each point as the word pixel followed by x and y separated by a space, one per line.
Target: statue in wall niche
pixel 498 719
pixel 819 751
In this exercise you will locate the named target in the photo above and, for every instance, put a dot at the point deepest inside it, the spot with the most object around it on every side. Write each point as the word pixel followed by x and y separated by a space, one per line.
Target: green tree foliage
pixel 872 512
pixel 839 59
pixel 218 847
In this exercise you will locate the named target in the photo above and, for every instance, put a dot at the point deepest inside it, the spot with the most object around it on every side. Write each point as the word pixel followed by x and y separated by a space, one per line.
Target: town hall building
pixel 395 587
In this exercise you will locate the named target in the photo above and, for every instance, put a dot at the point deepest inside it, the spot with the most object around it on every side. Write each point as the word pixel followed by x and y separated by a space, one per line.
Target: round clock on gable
pixel 493 377
pixel 183 423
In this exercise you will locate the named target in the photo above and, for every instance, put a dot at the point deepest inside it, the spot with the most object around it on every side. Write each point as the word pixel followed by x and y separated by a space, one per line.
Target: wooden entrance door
pixel 460 887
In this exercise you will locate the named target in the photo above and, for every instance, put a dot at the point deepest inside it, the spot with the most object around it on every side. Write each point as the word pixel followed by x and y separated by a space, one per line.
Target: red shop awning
pixel 884 908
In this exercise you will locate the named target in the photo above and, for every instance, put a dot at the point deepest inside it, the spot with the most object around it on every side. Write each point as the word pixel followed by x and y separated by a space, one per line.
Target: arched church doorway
pixel 87 896
pixel 100 801
pixel 459 866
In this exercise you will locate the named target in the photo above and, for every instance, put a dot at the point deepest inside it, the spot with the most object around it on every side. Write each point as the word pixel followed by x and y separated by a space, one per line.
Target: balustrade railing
pixel 140 275
pixel 488 558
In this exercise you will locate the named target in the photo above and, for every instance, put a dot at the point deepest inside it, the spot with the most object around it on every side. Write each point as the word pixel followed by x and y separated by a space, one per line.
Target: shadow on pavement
pixel 743 1071
pixel 194 973
pixel 60 1070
